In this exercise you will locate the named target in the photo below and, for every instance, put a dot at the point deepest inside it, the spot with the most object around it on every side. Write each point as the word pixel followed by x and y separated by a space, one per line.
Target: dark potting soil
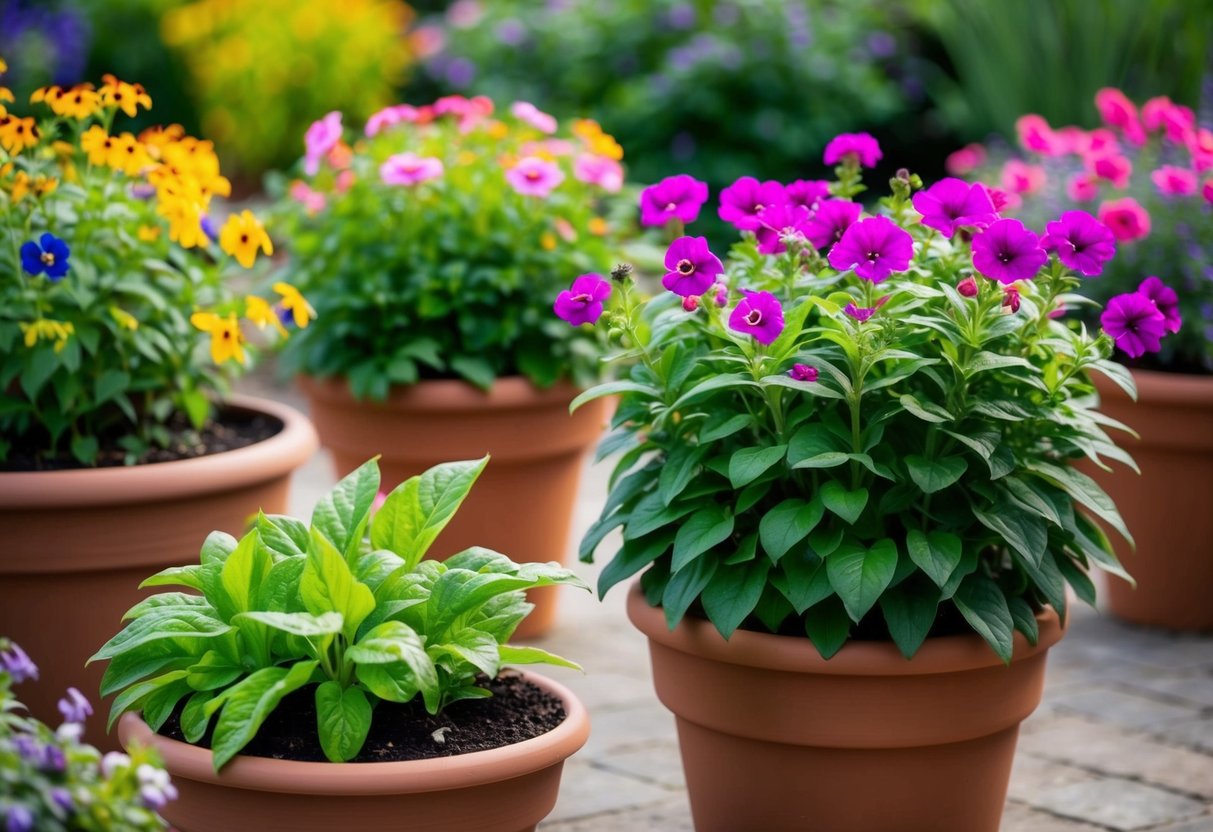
pixel 518 710
pixel 228 431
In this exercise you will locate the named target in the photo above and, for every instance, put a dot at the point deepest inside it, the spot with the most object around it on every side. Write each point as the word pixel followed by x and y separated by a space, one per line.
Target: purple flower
pixel 1082 242
pixel 48 255
pixel 208 227
pixel 807 192
pixel 779 222
pixel 156 788
pixel 74 707
pixel 320 138
pixel 582 302
pixel 408 169
pixel 720 293
pixel 53 759
pixel 534 176
pixel 803 372
pixel 17 664
pixel 28 748
pixel 1135 323
pixel 874 248
pixel 1165 301
pixel 675 197
pixel 692 267
pixel 860 147
pixel 951 203
pixel 62 798
pixel 1008 251
pixel 832 217
pixel 743 202
pixel 758 314
pixel 967 287
pixel 18 819
pixel 859 313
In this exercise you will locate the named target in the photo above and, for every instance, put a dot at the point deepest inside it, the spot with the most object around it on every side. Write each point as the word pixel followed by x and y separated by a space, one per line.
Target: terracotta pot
pixel 775 738
pixel 78 543
pixel 507 789
pixel 1169 508
pixel 522 505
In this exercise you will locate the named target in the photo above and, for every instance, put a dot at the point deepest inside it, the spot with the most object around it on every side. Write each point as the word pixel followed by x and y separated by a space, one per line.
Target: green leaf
pixel 343 719
pixel 787 524
pixel 217 547
pixel 676 473
pixel 109 384
pixel 650 514
pixel 280 592
pixel 132 697
pixel 1024 618
pixel 909 610
pixel 328 585
pixel 128 668
pixel 860 575
pixel 512 654
pixel 1023 532
pixel 1085 491
pixel 846 504
pixel 1076 577
pixel 612 388
pixel 342 513
pixel 163 623
pixel 748 464
pixel 927 411
pixel 247 704
pixel 243 573
pixel 418 509
pixel 475 370
pixel 299 623
pixel 714 429
pixel 468 646
pixel 812 441
pixel 159 705
pixel 733 593
pixel 84 449
pixel 282 536
pixel 392 663
pixel 684 587
pixel 704 529
pixel 632 557
pixel 803 580
pixel 932 475
pixel 1047 578
pixel 827 626
pixel 984 606
pixel 935 553
pixel 714 382
pixel 213 671
pixel 193 716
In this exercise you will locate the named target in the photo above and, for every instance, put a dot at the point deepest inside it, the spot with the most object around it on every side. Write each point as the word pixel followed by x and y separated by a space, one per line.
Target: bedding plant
pixel 859 423
pixel 430 238
pixel 117 328
pixel 345 607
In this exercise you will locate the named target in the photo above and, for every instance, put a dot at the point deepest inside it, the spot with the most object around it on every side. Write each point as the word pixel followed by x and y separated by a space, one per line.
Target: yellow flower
pixel 598 226
pixel 184 221
pixel 16 134
pixel 46 329
pixel 259 311
pixel 124 96
pixel 124 319
pixel 6 95
pixel 97 144
pixel 465 157
pixel 80 101
pixel 548 240
pixel 20 186
pixel 3 66
pixel 44 185
pixel 148 233
pixel 294 302
pixel 242 235
pixel 498 129
pixel 227 341
pixel 598 142
pixel 127 155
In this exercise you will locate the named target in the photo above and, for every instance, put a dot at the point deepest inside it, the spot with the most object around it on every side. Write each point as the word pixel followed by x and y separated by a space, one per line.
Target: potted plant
pixel 117 339
pixel 311 646
pixel 429 246
pixel 1141 173
pixel 844 484
pixel 54 782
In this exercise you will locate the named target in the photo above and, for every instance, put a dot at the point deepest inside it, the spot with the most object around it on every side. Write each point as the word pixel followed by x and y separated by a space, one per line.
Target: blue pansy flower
pixel 48 255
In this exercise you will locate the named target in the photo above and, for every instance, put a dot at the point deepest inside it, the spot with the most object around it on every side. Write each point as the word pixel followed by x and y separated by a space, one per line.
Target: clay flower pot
pixel 507 789
pixel 77 544
pixel 1169 508
pixel 776 738
pixel 523 503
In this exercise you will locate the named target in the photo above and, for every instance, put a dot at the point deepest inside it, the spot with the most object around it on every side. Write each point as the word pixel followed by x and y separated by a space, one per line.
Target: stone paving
pixel 1123 740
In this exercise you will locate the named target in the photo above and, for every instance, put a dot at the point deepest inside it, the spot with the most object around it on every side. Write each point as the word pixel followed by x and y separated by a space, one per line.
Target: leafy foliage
pixel 290 606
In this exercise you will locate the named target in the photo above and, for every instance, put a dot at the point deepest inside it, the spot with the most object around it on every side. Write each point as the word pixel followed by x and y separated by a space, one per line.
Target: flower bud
pixel 967 287
pixel 1010 298
pixel 803 372
pixel 622 272
pixel 720 293
pixel 615 333
pixel 690 303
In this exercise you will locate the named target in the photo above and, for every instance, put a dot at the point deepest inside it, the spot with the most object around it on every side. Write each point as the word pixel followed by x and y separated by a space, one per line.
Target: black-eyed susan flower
pixel 17 134
pixel 242 236
pixel 294 302
pixel 227 341
pixel 126 97
pixel 259 311
pixel 96 143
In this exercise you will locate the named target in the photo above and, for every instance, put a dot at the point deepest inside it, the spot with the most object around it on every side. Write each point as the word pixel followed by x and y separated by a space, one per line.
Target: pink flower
pixel 320 138
pixel 534 176
pixel 1072 139
pixel 1008 251
pixel 966 160
pixel 690 303
pixel 1002 199
pixel 409 169
pixel 874 248
pixel 312 200
pixel 1019 177
pixel 967 287
pixel 1207 191
pixel 390 116
pixel 1173 181
pixel 858 147
pixel 1098 142
pixel 1082 242
pixel 778 222
pixel 1036 136
pixel 758 314
pixel 803 372
pixel 532 115
pixel 1165 300
pixel 1112 168
pixel 1082 187
pixel 743 202
pixel 1119 112
pixel 859 313
pixel 554 147
pixel 599 170
pixel 581 303
pixel 1010 299
pixel 831 219
pixel 693 268
pixel 1175 120
pixel 951 203
pixel 1135 323
pixel 344 181
pixel 673 198
pixel 807 192
pixel 1127 219
pixel 1200 145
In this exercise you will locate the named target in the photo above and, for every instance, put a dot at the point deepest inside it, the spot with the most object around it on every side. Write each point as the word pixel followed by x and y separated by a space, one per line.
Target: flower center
pixel 759 208
pixel 582 298
pixel 753 317
pixel 1005 257
pixel 670 206
pixel 48 258
pixel 533 175
pixel 686 267
pixel 873 256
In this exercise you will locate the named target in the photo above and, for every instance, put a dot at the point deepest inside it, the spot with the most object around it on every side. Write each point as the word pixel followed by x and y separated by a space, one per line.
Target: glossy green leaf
pixel 343 718
pixel 827 625
pixel 748 464
pixel 733 593
pixel 936 553
pixel 341 515
pixel 707 527
pixel 984 606
pixel 328 585
pixel 932 475
pixel 787 524
pixel 417 510
pixel 846 504
pixel 859 575
pixel 246 705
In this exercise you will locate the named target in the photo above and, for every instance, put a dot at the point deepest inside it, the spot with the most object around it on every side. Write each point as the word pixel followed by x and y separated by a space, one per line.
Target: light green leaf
pixel 247 704
pixel 418 509
pixel 612 388
pixel 936 553
pixel 704 529
pixel 1085 491
pixel 932 475
pixel 163 623
pixel 927 411
pixel 748 464
pixel 299 623
pixel 135 695
pixel 512 655
pixel 341 514
pixel 328 585
pixel 343 719
pixel 243 573
pixel 193 716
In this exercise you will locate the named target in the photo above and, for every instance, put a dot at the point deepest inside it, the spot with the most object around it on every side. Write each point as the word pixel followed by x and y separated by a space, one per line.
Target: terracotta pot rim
pixel 446 394
pixel 352 779
pixel 941 654
pixel 225 471
pixel 1157 387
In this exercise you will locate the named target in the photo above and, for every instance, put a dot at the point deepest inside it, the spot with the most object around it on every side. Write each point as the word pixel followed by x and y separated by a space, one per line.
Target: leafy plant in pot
pixel 114 284
pixel 844 482
pixel 429 245
pixel 316 645
pixel 1141 173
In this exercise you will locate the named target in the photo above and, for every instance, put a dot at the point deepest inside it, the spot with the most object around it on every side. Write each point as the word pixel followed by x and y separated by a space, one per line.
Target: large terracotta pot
pixel 77 544
pixel 507 789
pixel 1169 508
pixel 522 505
pixel 775 738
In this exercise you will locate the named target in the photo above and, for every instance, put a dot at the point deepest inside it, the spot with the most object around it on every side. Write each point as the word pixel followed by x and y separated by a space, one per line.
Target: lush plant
pixel 859 427
pixel 431 245
pixel 108 272
pixel 261 71
pixel 288 606
pixel 1141 173
pixel 50 781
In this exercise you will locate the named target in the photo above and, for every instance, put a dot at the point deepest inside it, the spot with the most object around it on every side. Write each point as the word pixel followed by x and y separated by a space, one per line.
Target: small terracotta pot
pixel 507 789
pixel 776 738
pixel 1169 508
pixel 522 505
pixel 78 543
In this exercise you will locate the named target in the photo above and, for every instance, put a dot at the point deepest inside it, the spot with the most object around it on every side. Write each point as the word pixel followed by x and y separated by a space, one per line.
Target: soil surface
pixel 229 430
pixel 518 710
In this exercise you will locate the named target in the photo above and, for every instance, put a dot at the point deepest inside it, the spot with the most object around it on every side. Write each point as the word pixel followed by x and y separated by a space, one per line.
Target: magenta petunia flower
pixel 951 203
pixel 1165 300
pixel 831 219
pixel 1206 190
pixel 859 313
pixel 389 116
pixel 534 176
pixel 1135 323
pixel 581 303
pixel 1111 167
pixel 966 160
pixel 1008 251
pixel 803 372
pixel 758 314
pixel 1037 136
pixel 744 202
pixel 874 248
pixel 1119 112
pixel 1003 199
pixel 690 303
pixel 692 267
pixel 720 293
pixel 409 169
pixel 807 192
pixel 1173 181
pixel 860 147
pixel 779 222
pixel 598 170
pixel 527 112
pixel 1127 219
pixel 1174 119
pixel 1082 187
pixel 673 198
pixel 967 287
pixel 320 138
pixel 1082 242
pixel 1021 178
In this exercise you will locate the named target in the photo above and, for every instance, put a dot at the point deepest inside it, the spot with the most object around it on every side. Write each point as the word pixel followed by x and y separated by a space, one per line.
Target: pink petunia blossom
pixel 1098 142
pixel 320 138
pixel 677 197
pixel 1200 145
pixel 830 221
pixel 1206 191
pixel 778 223
pixel 803 372
pixel 1165 300
pixel 389 116
pixel 534 176
pixel 1018 177
pixel 1111 167
pixel 1082 187
pixel 527 112
pixel 1173 181
pixel 693 268
pixel 758 314
pixel 1127 219
pixel 1134 323
pixel 409 169
pixel 859 147
pixel 600 171
pixel 950 204
pixel 313 201
pixel 1002 199
pixel 874 248
pixel 582 302
pixel 807 192
pixel 966 160
pixel 1008 251
pixel 1117 111
pixel 1036 136
pixel 1082 242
